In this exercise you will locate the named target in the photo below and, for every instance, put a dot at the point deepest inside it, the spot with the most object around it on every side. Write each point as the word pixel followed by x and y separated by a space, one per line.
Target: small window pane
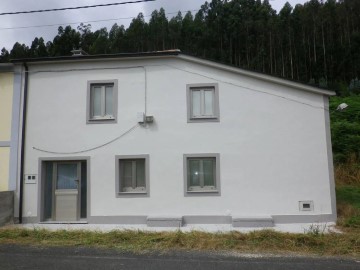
pixel 108 100
pixel 196 102
pixel 126 174
pixel 194 172
pixel 96 100
pixel 140 173
pixel 208 167
pixel 66 176
pixel 209 102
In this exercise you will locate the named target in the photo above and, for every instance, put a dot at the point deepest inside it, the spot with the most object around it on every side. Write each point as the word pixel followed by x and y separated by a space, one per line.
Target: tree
pixel 19 51
pixel 5 55
pixel 66 40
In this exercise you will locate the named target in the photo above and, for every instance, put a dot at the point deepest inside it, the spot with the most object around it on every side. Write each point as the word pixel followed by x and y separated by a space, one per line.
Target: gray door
pixel 67 177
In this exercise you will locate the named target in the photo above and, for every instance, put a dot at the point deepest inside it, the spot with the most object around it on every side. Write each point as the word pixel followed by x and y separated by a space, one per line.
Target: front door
pixel 67 190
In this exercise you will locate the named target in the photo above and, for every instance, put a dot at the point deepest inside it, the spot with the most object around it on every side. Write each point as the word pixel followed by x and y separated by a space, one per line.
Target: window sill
pixel 102 121
pixel 203 119
pixel 202 191
pixel 130 194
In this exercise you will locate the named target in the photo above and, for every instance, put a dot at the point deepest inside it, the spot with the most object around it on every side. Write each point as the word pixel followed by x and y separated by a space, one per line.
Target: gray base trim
pixel 253 222
pixel 164 221
pixel 207 219
pixel 30 220
pixel 127 220
pixel 63 222
pixel 287 219
pixel 179 221
pixel 4 143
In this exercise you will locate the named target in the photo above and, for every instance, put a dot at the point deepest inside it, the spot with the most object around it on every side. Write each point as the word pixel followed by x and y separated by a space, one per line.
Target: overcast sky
pixel 25 35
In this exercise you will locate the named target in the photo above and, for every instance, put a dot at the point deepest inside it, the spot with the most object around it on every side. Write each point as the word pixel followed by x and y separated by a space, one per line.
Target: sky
pixel 18 28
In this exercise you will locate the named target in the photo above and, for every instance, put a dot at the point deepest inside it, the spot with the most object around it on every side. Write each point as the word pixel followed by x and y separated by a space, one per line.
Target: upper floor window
pixel 203 102
pixel 102 101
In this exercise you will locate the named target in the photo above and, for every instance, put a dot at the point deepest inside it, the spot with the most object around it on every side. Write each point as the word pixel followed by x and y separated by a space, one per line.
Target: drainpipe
pixel 22 155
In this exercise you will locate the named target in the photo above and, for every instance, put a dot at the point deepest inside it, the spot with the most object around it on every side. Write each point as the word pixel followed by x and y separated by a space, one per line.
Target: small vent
pixel 306 206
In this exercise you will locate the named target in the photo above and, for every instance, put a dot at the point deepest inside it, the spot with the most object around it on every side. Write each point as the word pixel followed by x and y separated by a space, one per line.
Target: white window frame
pixel 135 191
pixel 215 117
pixel 90 119
pixel 202 189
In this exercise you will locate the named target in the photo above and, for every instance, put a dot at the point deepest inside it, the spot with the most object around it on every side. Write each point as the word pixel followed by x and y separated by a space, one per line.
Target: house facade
pixel 10 87
pixel 165 139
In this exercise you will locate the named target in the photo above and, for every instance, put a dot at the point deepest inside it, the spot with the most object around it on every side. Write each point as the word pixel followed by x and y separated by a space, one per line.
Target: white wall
pixel 271 140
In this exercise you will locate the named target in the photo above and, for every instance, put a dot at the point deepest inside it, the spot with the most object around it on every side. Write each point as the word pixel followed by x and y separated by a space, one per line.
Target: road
pixel 67 258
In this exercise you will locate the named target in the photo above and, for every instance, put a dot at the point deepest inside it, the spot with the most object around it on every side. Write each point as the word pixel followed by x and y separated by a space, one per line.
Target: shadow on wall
pixel 6 207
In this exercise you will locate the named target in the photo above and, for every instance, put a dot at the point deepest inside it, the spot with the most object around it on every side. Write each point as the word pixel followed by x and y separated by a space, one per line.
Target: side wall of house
pixel 273 142
pixel 6 95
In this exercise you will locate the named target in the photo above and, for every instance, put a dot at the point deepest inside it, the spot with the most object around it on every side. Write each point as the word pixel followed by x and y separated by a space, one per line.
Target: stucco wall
pixel 6 95
pixel 6 207
pixel 271 140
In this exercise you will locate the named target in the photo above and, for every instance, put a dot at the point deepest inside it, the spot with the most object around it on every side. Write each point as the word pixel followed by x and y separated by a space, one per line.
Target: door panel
pixel 67 191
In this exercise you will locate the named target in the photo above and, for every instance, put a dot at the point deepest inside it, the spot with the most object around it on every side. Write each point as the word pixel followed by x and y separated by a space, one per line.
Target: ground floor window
pixel 132 175
pixel 201 173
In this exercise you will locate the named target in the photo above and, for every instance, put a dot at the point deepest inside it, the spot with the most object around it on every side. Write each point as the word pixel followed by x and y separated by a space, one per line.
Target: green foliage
pixel 316 42
pixel 345 127
pixel 349 196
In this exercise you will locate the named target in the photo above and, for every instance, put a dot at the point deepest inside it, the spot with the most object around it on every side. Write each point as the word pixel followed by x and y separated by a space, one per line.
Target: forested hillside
pixel 316 43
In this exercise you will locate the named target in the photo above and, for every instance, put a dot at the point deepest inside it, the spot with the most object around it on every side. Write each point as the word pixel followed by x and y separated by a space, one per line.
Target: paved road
pixel 18 257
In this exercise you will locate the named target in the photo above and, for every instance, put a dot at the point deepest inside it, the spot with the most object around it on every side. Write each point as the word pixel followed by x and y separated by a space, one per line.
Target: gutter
pixel 22 155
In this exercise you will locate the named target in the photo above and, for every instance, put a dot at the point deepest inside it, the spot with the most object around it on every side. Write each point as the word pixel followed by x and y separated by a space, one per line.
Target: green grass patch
pixel 348 194
pixel 267 241
pixel 348 206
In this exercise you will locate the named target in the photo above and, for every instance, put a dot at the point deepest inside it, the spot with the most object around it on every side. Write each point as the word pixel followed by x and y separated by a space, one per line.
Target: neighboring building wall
pixel 6 207
pixel 6 98
pixel 271 141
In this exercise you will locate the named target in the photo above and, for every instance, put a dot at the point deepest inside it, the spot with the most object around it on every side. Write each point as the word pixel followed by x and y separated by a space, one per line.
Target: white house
pixel 166 139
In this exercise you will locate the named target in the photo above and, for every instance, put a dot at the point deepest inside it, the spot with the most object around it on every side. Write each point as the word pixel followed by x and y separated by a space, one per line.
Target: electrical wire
pixel 72 8
pixel 94 21
pixel 145 74
pixel 89 149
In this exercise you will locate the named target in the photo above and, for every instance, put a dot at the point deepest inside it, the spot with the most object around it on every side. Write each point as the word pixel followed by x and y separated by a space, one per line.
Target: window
pixel 203 103
pixel 132 175
pixel 102 101
pixel 201 173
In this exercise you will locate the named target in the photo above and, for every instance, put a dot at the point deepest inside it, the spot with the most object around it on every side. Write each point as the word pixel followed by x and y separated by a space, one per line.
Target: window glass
pixel 140 173
pixel 196 102
pixel 108 100
pixel 96 100
pixel 66 176
pixel 209 102
pixel 126 174
pixel 208 171
pixel 194 172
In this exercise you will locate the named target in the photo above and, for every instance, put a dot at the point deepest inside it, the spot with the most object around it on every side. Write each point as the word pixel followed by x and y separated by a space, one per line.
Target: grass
pixel 313 242
pixel 268 241
pixel 347 177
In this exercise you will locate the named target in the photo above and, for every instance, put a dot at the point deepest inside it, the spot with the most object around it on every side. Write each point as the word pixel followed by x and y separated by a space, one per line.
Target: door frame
pixel 41 186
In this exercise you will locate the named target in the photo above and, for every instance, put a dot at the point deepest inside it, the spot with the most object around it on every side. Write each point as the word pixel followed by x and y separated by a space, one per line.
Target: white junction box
pixel 30 178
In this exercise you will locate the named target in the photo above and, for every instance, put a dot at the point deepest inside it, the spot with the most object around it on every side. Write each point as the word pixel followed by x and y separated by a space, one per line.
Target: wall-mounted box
pixel 30 178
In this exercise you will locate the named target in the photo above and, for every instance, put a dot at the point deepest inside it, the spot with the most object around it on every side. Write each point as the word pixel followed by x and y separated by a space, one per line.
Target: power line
pixel 93 21
pixel 72 8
